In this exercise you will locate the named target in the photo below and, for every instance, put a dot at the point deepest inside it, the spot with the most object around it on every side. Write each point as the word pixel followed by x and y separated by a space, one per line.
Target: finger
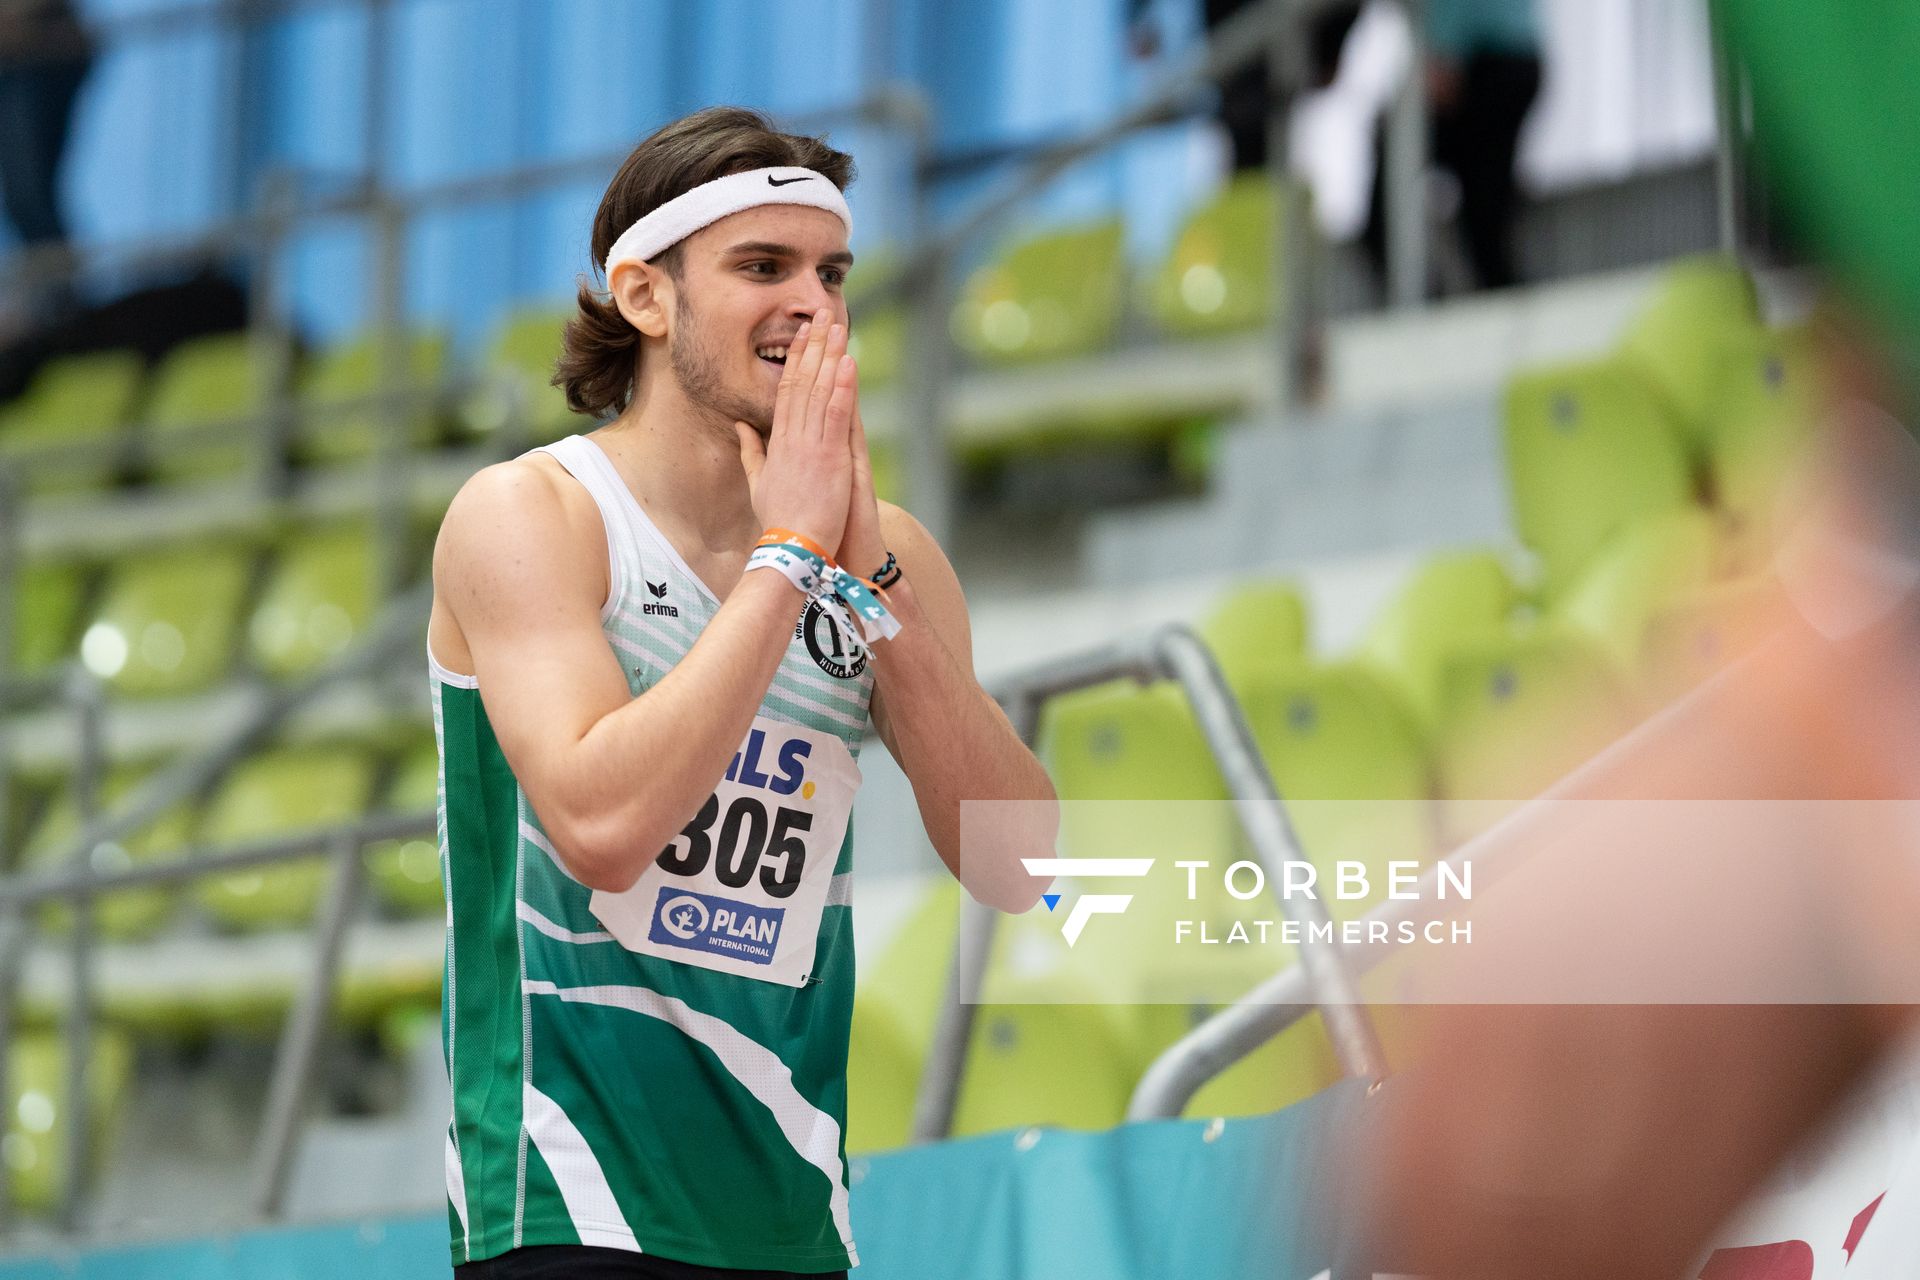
pixel 838 411
pixel 784 395
pixel 857 432
pixel 753 452
pixel 808 371
pixel 825 383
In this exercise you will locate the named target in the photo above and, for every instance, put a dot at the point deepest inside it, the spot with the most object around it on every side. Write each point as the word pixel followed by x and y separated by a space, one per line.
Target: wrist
pixel 862 558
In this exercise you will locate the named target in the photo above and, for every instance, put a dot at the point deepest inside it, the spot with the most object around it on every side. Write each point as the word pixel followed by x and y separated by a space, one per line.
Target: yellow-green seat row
pixel 197 413
pixel 76 401
pixel 173 619
pixel 34 1145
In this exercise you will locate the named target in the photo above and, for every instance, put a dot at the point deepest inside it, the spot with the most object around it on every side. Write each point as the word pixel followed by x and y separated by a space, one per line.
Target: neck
pixel 683 464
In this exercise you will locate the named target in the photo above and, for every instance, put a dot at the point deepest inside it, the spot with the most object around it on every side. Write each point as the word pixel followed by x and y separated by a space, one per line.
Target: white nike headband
pixel 706 204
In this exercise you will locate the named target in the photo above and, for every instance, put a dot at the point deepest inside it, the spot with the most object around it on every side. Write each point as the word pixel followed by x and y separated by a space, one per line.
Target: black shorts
pixel 588 1262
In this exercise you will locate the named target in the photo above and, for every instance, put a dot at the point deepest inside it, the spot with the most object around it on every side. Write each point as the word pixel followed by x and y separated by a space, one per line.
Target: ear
pixel 644 294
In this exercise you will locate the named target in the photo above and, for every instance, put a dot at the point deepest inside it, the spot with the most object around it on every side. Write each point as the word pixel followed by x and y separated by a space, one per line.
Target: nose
pixel 809 296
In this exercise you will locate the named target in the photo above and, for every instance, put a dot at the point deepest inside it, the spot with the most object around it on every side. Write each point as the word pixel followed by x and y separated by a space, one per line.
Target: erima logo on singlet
pixel 659 590
pixel 789 759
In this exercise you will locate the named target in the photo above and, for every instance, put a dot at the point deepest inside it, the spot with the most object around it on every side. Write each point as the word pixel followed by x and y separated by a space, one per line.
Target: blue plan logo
pixel 717 926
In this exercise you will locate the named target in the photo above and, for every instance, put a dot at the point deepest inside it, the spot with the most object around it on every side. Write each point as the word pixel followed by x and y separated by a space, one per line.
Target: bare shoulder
pixel 523 523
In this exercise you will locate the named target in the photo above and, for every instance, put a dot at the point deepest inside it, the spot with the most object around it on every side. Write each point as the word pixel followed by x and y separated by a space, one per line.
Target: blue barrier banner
pixel 1157 1201
pixel 1154 1201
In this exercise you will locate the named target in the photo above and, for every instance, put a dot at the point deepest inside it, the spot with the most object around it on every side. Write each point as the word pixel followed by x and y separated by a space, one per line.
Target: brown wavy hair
pixel 596 366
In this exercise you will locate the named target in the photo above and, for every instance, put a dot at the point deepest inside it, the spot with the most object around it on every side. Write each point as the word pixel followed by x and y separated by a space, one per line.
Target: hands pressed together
pixel 812 473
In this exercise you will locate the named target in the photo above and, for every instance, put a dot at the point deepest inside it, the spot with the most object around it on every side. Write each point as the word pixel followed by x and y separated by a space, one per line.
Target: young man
pixel 648 728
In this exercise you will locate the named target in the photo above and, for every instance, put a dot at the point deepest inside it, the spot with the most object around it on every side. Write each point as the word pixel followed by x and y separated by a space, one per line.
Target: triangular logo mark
pixel 1051 899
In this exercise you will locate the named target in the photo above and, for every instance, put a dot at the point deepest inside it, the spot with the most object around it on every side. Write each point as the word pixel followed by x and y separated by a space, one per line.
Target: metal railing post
pixel 1728 168
pixel 1263 816
pixel 88 699
pixel 1292 270
pixel 14 930
pixel 1404 172
pixel 926 451
pixel 1322 978
pixel 300 1042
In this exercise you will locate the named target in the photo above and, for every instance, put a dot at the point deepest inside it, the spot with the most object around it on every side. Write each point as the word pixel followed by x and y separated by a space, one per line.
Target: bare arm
pixel 612 777
pixel 951 739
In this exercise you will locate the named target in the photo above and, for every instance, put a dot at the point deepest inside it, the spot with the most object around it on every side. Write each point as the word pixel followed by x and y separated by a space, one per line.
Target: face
pixel 747 283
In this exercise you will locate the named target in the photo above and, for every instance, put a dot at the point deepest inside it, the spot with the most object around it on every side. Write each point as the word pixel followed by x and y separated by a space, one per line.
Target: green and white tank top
pixel 662 1070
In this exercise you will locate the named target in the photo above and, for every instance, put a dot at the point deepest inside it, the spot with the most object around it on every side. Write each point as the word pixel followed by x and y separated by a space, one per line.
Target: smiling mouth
pixel 775 354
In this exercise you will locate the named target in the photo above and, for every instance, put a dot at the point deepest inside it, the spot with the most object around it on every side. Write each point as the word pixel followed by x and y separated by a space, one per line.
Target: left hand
pixel 863 549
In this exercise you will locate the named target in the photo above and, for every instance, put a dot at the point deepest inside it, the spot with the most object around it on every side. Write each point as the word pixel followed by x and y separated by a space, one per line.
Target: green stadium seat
pixel 1141 747
pixel 1352 769
pixel 1589 451
pixel 1063 1061
pixel 516 377
pixel 204 409
pixel 167 620
pixel 406 873
pixel 339 419
pixel 1455 598
pixel 74 401
pixel 1120 741
pixel 884 1062
pixel 1260 628
pixel 319 599
pixel 1354 774
pixel 127 914
pixel 281 793
pixel 34 1145
pixel 1219 275
pixel 1056 294
pixel 1678 340
pixel 1015 1072
pixel 895 1007
pixel 47 603
pixel 1516 714
pixel 1768 404
pixel 1655 566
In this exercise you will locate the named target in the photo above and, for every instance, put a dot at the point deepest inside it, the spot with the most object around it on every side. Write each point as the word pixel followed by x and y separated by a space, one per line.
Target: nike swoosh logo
pixel 785 182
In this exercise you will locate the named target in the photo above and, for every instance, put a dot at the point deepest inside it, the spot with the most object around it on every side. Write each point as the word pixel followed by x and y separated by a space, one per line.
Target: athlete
pixel 655 651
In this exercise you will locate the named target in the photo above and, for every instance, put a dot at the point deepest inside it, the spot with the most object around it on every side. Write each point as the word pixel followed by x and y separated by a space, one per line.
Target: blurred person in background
pixel 1246 98
pixel 1483 75
pixel 45 54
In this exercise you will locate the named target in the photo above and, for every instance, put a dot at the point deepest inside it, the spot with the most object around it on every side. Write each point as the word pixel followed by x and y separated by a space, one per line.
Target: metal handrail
pixel 81 883
pixel 1170 653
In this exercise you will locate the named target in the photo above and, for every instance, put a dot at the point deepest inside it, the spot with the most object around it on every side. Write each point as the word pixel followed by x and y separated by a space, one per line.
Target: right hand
pixel 801 476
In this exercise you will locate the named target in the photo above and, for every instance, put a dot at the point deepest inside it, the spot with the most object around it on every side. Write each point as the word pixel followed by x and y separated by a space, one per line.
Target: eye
pixel 834 275
pixel 771 268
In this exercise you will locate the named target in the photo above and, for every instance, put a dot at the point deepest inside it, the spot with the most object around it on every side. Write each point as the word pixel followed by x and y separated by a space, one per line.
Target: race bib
pixel 741 888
